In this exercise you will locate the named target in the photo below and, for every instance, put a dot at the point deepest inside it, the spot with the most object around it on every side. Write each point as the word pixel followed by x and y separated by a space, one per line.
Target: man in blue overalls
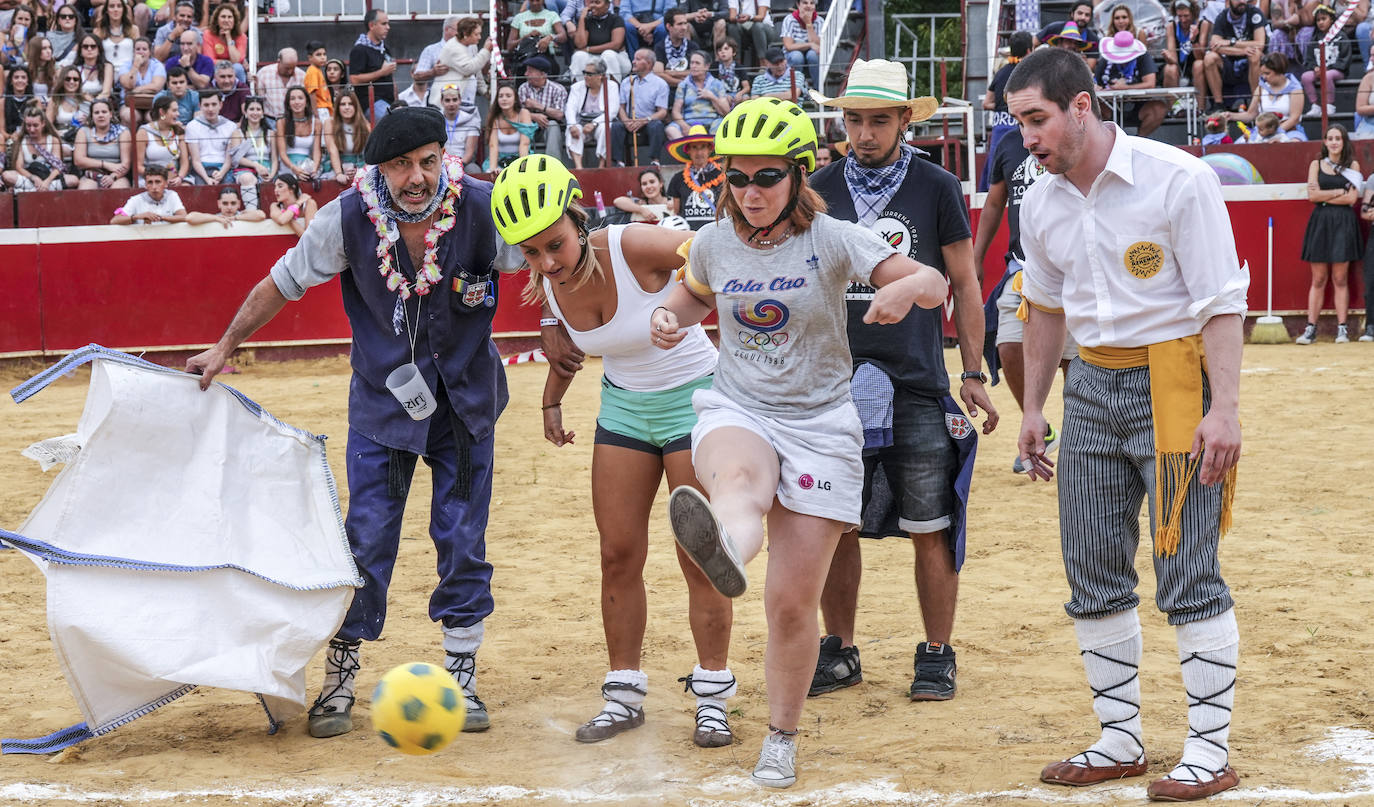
pixel 410 305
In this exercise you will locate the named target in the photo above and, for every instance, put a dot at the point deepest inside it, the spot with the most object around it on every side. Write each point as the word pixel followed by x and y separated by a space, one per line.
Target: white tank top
pixel 629 358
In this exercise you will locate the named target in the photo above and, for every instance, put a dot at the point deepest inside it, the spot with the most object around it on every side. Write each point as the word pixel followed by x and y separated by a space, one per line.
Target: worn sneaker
pixel 837 667
pixel 1308 335
pixel 1342 334
pixel 463 668
pixel 1368 335
pixel 1051 440
pixel 777 762
pixel 1017 466
pixel 934 672
pixel 704 540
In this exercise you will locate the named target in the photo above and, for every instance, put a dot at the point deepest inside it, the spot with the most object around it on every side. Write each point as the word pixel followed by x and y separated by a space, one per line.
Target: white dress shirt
pixel 1147 256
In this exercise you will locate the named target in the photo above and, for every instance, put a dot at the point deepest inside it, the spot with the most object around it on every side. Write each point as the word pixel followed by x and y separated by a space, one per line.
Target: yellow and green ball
pixel 417 708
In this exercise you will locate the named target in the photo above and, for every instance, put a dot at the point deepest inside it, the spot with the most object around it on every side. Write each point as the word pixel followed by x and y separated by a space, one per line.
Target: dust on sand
pixel 1297 560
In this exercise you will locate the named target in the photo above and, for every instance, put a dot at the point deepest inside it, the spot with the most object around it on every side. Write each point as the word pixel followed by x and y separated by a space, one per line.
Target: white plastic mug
pixel 410 388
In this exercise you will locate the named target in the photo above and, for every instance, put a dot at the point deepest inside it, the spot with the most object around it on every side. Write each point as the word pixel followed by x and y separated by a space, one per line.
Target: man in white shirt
pixel 1129 246
pixel 156 205
pixel 210 139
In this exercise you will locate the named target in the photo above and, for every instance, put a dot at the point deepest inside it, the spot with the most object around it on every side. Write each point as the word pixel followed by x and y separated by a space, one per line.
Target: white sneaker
pixel 1313 111
pixel 1308 336
pixel 777 762
pixel 1342 335
pixel 1368 335
pixel 704 540
pixel 1330 109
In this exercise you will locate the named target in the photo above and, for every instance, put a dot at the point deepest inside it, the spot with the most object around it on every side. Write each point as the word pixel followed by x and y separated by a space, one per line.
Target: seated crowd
pixel 94 100
pixel 1256 68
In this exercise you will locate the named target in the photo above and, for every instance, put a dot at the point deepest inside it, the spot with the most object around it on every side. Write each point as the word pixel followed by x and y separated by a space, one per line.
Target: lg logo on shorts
pixel 807 482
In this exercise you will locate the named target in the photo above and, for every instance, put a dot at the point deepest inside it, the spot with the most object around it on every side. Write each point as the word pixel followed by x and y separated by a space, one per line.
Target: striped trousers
pixel 1106 471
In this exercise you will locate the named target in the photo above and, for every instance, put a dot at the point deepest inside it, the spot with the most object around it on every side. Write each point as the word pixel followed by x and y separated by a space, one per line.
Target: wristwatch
pixel 978 374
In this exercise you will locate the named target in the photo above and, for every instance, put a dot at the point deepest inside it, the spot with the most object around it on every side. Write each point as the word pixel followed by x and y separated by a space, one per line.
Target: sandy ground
pixel 1297 560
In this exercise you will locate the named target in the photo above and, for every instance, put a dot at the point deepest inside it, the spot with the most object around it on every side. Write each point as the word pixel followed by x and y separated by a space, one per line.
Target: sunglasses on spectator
pixel 764 177
pixel 66 16
pixel 71 78
pixel 89 46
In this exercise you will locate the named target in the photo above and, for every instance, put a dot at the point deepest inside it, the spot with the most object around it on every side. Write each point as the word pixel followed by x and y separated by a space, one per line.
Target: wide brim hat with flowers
pixel 877 84
pixel 1121 48
pixel 677 149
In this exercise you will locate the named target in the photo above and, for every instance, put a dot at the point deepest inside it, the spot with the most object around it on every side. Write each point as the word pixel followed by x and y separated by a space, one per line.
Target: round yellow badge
pixel 1144 259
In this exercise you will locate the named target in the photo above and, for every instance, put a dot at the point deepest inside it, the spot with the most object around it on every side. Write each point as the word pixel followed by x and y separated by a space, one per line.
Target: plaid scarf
pixel 872 188
pixel 364 39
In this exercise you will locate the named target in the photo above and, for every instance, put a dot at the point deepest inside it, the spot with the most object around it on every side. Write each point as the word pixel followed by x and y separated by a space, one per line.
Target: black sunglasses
pixel 764 177
pixel 66 16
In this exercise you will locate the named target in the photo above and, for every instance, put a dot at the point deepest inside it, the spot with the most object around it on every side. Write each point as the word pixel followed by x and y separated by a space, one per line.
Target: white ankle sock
pixel 712 688
pixel 1111 650
pixel 1208 652
pixel 624 691
pixel 341 664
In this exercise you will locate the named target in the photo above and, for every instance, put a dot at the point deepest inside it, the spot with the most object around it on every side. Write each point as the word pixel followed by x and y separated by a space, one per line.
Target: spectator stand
pixel 1121 101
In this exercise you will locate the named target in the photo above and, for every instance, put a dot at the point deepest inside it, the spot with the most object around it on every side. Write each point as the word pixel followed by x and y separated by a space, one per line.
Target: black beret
pixel 541 63
pixel 402 130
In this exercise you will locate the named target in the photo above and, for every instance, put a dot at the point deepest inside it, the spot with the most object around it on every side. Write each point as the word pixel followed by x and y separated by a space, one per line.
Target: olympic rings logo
pixel 766 342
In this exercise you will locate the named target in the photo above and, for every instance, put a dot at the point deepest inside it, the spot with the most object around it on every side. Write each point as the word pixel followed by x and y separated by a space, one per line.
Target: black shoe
pixel 836 668
pixel 1215 107
pixel 935 671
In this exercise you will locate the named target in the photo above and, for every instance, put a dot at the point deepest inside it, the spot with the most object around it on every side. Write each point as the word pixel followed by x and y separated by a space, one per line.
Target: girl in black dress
pixel 1333 235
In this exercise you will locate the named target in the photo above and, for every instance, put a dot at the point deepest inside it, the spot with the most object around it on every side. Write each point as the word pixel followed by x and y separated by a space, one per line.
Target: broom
pixel 1269 329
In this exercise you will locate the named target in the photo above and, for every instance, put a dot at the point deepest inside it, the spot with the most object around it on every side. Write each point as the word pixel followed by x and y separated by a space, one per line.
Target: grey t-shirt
pixel 783 345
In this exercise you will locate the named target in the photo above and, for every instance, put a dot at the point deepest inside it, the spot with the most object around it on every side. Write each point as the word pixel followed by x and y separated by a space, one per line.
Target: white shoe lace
pixel 775 760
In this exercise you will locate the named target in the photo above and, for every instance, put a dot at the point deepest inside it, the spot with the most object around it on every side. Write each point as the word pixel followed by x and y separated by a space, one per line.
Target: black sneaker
pixel 836 668
pixel 934 672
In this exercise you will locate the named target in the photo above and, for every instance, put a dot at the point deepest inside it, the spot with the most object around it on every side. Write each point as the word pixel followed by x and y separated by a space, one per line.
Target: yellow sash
pixel 1176 369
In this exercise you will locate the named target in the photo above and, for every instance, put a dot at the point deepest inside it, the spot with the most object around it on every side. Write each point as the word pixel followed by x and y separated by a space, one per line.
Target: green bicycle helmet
pixel 531 195
pixel 768 127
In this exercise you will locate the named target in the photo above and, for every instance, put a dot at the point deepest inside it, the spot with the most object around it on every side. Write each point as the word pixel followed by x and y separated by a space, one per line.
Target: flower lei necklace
pixel 388 233
pixel 705 186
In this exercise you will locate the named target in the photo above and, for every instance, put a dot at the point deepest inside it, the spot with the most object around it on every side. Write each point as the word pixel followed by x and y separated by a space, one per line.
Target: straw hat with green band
pixel 879 84
pixel 530 195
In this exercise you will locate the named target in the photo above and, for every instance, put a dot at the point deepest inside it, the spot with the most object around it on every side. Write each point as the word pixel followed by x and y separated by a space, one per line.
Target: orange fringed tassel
pixel 1173 474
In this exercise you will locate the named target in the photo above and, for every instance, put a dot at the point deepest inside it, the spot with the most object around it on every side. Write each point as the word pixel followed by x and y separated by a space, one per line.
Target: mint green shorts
pixel 655 422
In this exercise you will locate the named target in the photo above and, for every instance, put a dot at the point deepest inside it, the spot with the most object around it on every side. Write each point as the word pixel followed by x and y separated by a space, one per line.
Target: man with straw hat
pixel 1129 246
pixel 698 187
pixel 918 443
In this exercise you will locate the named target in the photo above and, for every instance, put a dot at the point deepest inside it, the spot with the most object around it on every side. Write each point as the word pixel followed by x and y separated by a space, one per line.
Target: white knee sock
pixel 624 692
pixel 1208 652
pixel 1111 649
pixel 341 664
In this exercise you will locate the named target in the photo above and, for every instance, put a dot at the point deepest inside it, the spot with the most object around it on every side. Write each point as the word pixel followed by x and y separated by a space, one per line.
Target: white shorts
pixel 1010 328
pixel 820 457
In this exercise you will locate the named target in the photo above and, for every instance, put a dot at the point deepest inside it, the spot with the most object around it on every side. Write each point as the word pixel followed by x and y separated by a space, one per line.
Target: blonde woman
pixel 603 285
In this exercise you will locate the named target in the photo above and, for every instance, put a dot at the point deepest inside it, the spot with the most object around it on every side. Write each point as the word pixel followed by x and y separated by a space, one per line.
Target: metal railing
pixel 915 45
pixel 831 34
pixel 331 10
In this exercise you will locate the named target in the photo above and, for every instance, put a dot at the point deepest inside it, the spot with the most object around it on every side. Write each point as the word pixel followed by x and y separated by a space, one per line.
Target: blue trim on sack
pixel 56 741
pixel 78 733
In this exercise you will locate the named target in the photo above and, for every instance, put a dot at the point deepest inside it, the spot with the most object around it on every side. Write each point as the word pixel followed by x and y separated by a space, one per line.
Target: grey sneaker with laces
pixel 705 541
pixel 777 762
pixel 1342 334
pixel 1368 335
pixel 1308 335
pixel 463 668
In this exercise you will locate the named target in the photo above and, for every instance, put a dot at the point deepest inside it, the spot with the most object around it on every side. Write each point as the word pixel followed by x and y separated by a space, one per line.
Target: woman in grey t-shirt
pixel 777 434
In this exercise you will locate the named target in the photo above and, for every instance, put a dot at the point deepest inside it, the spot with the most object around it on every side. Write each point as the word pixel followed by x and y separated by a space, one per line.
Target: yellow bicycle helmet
pixel 768 127
pixel 531 195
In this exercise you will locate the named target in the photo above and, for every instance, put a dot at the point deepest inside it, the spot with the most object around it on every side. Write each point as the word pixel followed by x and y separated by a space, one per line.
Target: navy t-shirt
pixel 925 214
pixel 1241 29
pixel 698 208
pixel 1000 116
pixel 1133 71
pixel 1015 166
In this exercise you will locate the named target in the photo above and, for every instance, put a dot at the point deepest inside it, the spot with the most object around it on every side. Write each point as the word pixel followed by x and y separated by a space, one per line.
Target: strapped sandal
pixel 332 712
pixel 608 723
pixel 713 724
pixel 463 668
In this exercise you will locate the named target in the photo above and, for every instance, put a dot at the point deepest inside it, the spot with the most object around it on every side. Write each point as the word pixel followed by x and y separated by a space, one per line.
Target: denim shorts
pixel 909 486
pixel 658 422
